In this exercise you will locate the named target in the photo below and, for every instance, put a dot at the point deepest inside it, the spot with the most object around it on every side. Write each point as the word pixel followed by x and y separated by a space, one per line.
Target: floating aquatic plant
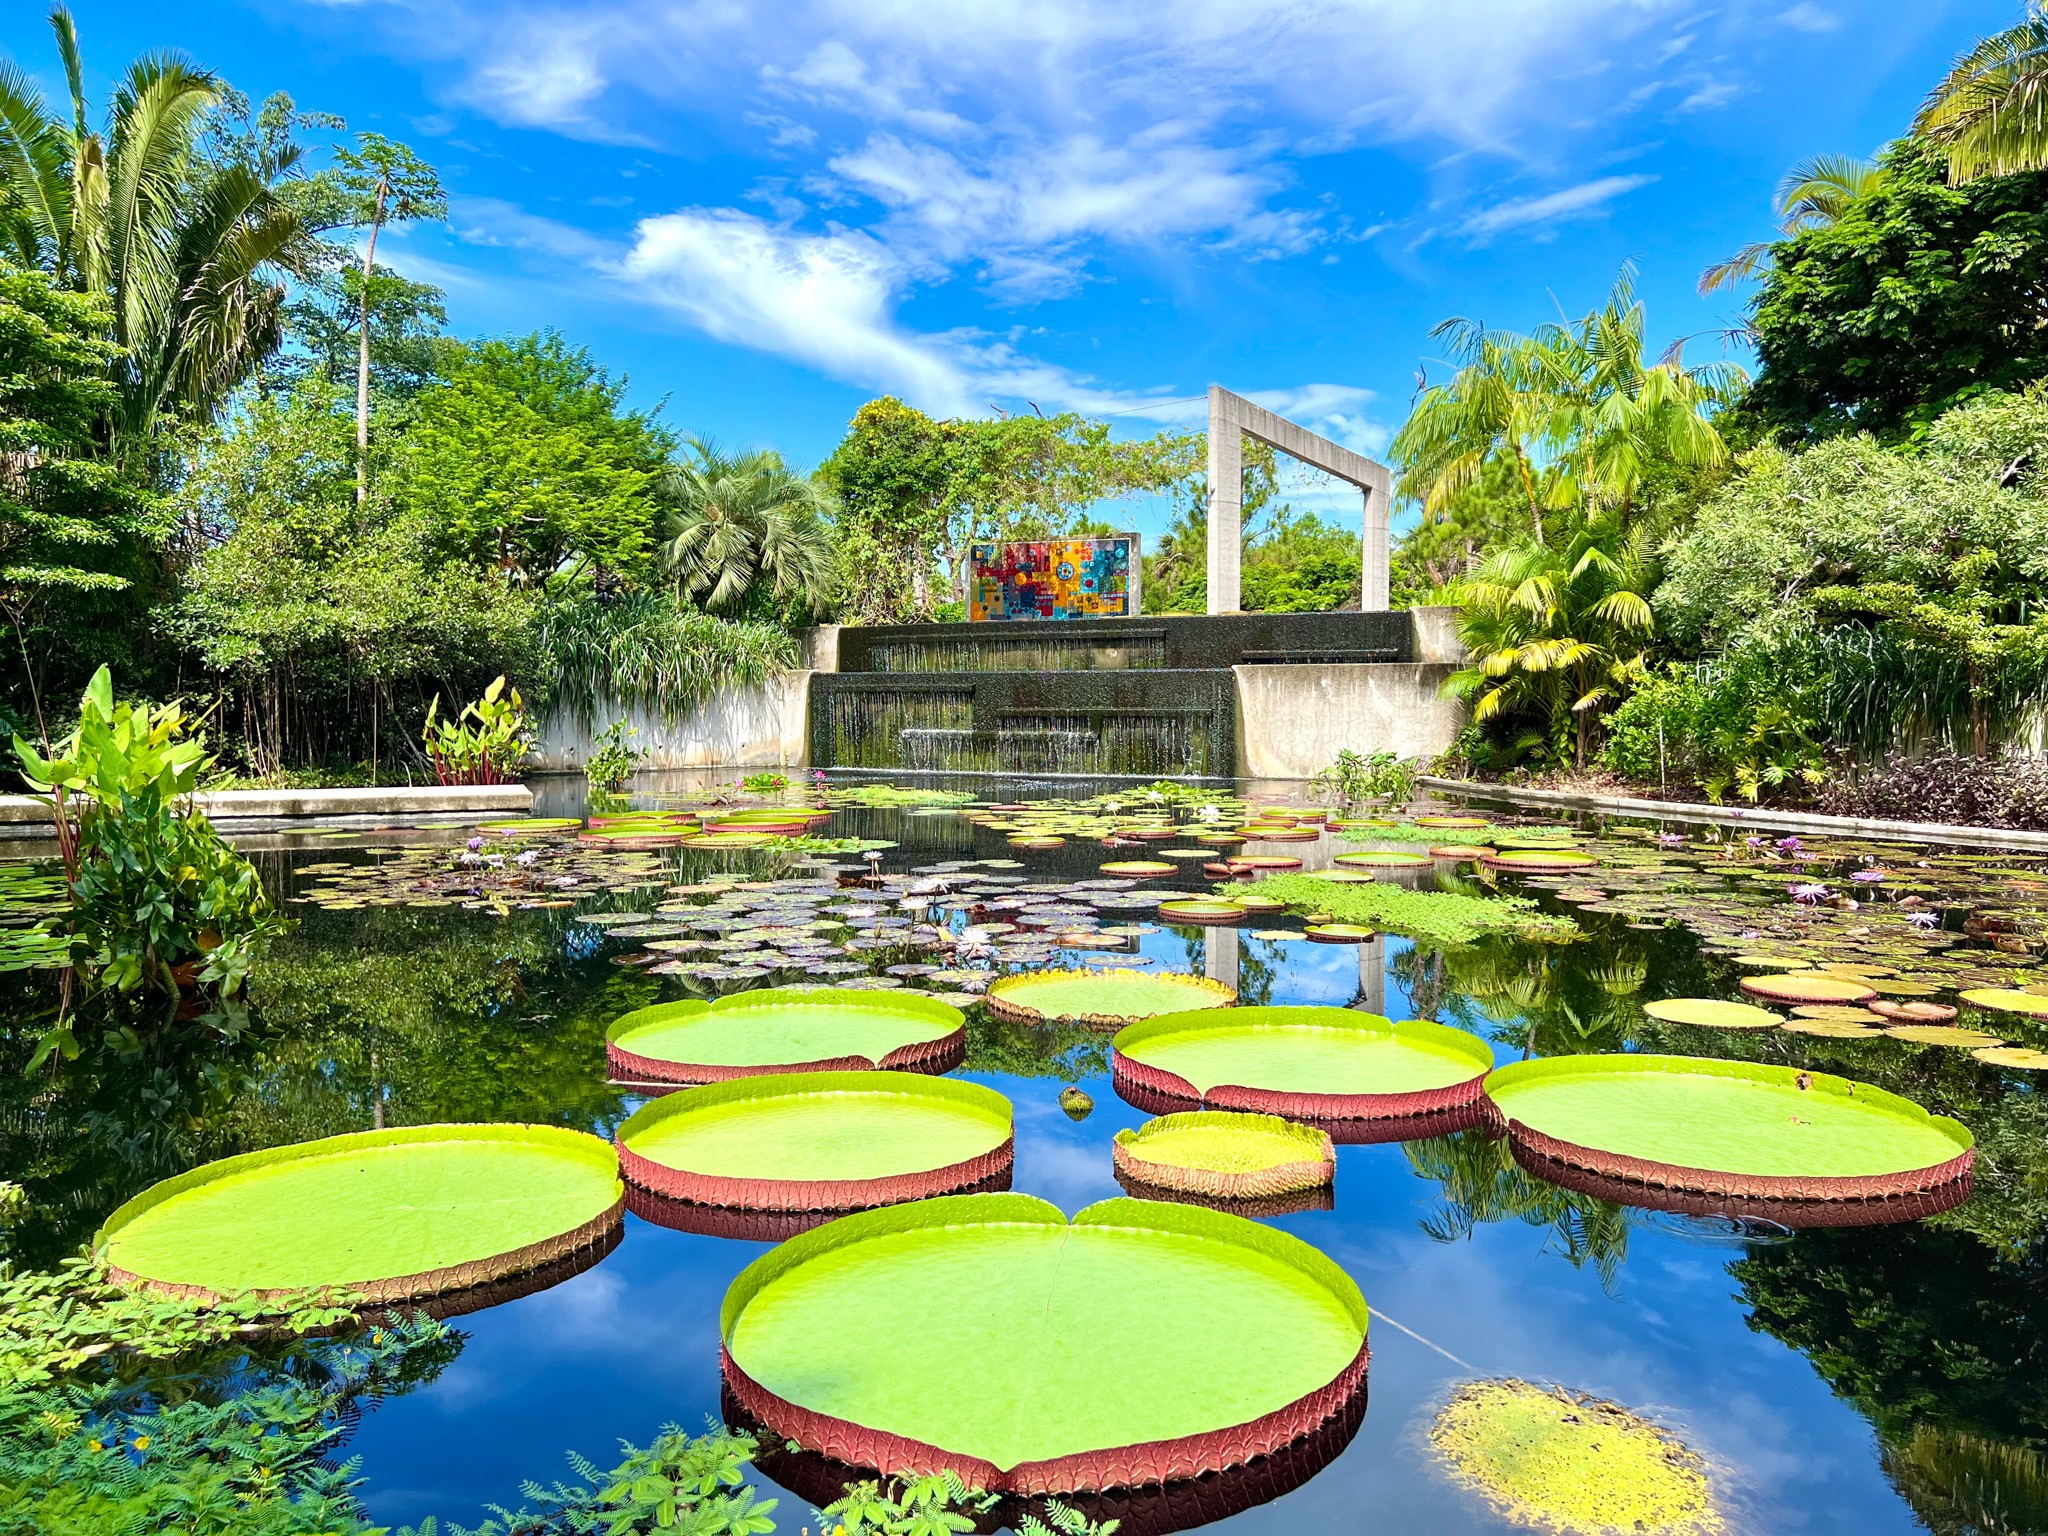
pixel 1563 1461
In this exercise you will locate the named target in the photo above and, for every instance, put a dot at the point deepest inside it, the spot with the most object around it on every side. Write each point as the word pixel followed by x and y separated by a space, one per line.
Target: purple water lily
pixel 1753 841
pixel 1788 845
pixel 475 843
pixel 1670 839
pixel 1868 876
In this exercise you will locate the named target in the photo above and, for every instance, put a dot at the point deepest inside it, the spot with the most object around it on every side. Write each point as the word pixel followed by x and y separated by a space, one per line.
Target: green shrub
pixel 1749 727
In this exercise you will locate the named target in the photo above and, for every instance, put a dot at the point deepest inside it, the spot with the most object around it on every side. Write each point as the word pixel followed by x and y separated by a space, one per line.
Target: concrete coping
pixel 1740 816
pixel 29 815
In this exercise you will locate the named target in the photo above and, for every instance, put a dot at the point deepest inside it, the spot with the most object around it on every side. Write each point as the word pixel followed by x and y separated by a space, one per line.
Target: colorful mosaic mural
pixel 1055 579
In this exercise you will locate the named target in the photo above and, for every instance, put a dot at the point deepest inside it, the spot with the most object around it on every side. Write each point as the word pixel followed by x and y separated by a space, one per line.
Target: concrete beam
pixel 1232 418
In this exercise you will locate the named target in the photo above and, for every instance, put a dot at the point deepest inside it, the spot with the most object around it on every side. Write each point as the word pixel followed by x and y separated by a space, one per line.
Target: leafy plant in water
pixel 940 1505
pixel 765 783
pixel 108 1421
pixel 485 744
pixel 613 758
pixel 158 898
pixel 695 1486
pixel 1356 778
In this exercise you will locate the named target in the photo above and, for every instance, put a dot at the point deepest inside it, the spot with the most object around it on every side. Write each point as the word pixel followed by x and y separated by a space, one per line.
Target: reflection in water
pixel 1481 1183
pixel 1151 1511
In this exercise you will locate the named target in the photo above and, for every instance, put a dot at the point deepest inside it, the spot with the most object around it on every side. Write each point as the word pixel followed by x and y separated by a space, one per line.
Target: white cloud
pixel 1586 198
pixel 1808 17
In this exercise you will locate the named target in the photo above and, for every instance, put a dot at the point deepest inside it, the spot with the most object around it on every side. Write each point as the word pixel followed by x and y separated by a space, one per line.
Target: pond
pixel 1851 1379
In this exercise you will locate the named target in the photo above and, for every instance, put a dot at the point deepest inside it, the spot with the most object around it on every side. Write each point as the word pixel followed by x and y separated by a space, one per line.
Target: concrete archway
pixel 1232 419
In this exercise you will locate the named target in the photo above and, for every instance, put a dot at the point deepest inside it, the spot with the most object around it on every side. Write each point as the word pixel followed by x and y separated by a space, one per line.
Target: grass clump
pixel 1559 1461
pixel 1437 917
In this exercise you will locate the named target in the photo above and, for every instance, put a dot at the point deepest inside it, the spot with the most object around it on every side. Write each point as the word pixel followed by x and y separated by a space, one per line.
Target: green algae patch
pixel 1306 1050
pixel 1725 1117
pixel 1559 1461
pixel 781 1029
pixel 1434 916
pixel 818 1126
pixel 392 1214
pixel 1113 997
pixel 1025 1352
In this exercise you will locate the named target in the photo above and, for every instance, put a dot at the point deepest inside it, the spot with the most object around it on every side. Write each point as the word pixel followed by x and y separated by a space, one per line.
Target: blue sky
pixel 767 213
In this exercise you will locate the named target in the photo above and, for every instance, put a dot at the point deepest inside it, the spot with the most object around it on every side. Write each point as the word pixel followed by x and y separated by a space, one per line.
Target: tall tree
pixel 916 492
pixel 525 457
pixel 187 252
pixel 395 186
pixel 1989 114
pixel 1923 294
pixel 69 519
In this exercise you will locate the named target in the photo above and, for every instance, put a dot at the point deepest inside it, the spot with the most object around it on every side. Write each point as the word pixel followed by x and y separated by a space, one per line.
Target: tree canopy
pixel 1918 296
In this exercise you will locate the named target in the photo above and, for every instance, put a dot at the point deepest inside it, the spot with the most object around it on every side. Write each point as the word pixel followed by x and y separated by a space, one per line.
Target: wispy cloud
pixel 1587 198
pixel 1808 17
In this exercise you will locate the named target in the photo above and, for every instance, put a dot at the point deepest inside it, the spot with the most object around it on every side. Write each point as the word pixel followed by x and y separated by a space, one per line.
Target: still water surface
pixel 1799 1367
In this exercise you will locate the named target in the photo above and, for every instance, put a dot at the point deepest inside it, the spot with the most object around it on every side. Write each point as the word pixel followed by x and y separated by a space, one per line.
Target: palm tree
pixel 1576 408
pixel 1989 114
pixel 1557 632
pixel 738 524
pixel 1814 194
pixel 1493 408
pixel 184 250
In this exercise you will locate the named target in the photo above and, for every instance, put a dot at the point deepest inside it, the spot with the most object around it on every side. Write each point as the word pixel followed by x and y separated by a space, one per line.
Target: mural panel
pixel 1054 579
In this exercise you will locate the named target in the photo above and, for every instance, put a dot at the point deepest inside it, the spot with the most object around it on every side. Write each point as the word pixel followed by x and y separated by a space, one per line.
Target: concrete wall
pixel 1293 720
pixel 28 814
pixel 760 727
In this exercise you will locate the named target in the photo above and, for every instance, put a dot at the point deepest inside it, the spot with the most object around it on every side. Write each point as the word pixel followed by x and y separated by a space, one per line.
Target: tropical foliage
pixel 158 898
pixel 1989 115
pixel 737 526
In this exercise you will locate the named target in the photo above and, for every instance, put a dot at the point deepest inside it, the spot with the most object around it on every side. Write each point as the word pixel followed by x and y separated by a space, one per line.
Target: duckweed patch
pixel 1562 1461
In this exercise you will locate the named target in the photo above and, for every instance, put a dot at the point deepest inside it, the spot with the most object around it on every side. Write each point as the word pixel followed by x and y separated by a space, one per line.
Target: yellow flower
pixel 142 1442
pixel 94 1444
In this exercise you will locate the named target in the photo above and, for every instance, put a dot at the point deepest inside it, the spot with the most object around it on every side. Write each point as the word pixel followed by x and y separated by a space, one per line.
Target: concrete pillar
pixel 1376 559
pixel 1372 976
pixel 1226 502
pixel 1219 956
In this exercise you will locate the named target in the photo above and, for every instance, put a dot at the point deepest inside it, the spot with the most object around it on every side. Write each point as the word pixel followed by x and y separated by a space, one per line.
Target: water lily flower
pixel 1868 876
pixel 1809 895
pixel 475 843
pixel 530 857
pixel 1788 845
pixel 1924 920
pixel 1753 841
pixel 1670 839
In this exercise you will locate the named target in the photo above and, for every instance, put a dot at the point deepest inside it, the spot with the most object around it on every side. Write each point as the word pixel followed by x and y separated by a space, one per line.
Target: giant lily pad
pixel 1725 1127
pixel 1711 1013
pixel 391 1216
pixel 1807 988
pixel 818 1141
pixel 1226 1156
pixel 1313 1063
pixel 785 1030
pixel 1118 1341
